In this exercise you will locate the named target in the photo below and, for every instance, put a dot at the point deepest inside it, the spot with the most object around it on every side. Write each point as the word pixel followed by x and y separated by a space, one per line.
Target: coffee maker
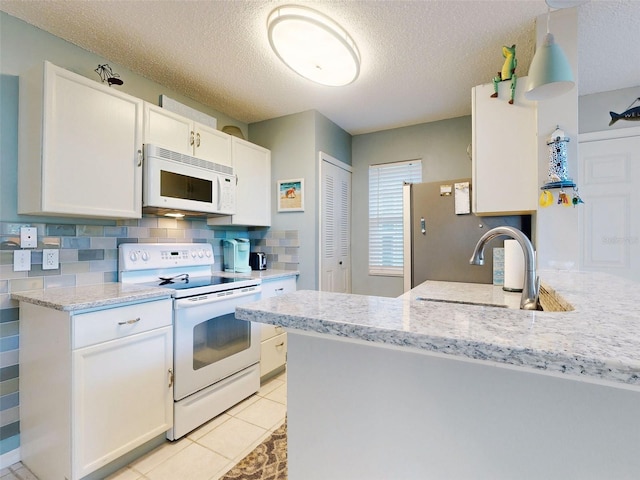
pixel 236 255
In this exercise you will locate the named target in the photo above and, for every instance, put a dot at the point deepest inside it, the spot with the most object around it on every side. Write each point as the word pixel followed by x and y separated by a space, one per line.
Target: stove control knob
pixel 133 256
pixel 207 253
pixel 200 253
pixel 145 256
pixel 193 253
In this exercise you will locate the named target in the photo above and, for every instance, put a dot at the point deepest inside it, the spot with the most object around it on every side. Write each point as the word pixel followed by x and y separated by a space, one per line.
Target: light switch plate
pixel 21 260
pixel 28 237
pixel 50 259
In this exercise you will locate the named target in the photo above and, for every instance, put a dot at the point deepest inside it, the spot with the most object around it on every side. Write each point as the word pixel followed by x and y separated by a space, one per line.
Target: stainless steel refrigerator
pixel 438 242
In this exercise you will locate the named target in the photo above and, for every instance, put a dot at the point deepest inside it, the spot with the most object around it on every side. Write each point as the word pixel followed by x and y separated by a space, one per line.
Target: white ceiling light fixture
pixel 313 45
pixel 550 72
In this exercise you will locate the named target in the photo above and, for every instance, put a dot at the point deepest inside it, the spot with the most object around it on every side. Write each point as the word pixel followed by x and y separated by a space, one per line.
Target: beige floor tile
pixel 279 394
pixel 154 458
pixel 207 427
pixel 264 413
pixel 270 385
pixel 125 473
pixel 232 438
pixel 242 405
pixel 192 463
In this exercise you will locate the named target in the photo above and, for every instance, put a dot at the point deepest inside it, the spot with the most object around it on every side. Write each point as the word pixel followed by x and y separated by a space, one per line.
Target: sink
pixel 548 301
pixel 461 302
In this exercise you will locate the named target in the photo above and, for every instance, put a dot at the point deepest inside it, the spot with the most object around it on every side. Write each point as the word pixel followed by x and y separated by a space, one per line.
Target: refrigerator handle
pixel 422 226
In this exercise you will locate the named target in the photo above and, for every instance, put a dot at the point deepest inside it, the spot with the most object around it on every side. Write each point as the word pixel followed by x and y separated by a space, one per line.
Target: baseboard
pixel 9 458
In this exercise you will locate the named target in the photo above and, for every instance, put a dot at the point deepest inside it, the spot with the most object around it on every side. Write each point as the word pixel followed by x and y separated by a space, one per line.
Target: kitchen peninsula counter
pixel 502 393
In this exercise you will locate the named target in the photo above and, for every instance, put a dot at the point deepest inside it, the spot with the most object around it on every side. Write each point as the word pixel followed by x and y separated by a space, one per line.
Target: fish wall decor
pixel 631 113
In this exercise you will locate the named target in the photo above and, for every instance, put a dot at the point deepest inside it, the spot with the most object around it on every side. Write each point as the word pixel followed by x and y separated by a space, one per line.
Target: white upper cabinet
pixel 180 134
pixel 80 147
pixel 252 166
pixel 505 155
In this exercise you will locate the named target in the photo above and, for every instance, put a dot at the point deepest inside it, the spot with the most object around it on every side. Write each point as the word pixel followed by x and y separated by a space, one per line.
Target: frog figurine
pixel 508 72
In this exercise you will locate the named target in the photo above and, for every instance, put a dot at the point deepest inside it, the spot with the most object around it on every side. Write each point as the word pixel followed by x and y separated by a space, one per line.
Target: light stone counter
pixel 91 296
pixel 599 340
pixel 268 274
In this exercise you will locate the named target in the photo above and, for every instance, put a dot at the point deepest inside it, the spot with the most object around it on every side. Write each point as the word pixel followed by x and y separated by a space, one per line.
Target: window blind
pixel 385 214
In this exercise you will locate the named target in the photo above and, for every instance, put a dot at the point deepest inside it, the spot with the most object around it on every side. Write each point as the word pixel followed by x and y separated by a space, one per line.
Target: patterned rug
pixel 268 461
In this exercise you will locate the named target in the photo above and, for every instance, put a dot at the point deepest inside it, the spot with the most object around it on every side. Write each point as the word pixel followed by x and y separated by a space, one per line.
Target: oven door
pixel 210 343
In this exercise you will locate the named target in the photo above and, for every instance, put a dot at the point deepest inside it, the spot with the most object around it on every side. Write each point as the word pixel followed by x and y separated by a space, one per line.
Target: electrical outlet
pixel 50 259
pixel 28 237
pixel 21 260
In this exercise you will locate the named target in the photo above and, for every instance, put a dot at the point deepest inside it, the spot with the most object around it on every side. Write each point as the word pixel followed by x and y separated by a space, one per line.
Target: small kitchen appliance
pixel 258 260
pixel 174 183
pixel 236 255
pixel 216 357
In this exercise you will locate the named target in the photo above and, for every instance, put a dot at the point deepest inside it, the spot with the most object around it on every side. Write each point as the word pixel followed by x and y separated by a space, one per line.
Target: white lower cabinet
pixel 273 351
pixel 94 386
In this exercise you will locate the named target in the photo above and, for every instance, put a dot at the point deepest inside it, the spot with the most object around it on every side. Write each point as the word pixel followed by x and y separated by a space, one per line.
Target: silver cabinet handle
pixel 198 139
pixel 191 138
pixel 139 157
pixel 170 377
pixel 129 322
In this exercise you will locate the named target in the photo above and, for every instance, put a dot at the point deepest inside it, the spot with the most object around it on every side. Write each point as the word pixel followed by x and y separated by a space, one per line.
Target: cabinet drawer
pixel 268 331
pixel 112 323
pixel 272 288
pixel 273 354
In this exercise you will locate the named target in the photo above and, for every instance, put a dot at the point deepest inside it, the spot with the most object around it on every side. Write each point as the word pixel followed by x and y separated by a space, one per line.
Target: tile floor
pixel 210 451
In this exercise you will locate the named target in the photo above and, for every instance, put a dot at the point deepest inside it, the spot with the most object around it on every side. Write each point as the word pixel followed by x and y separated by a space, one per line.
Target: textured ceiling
pixel 420 58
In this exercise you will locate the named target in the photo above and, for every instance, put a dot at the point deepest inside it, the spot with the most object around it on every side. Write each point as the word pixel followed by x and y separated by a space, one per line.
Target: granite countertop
pixel 268 274
pixel 91 296
pixel 599 340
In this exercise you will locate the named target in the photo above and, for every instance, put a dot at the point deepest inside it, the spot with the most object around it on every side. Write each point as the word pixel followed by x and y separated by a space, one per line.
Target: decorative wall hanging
pixel 508 72
pixel 558 174
pixel 629 114
pixel 106 75
pixel 291 195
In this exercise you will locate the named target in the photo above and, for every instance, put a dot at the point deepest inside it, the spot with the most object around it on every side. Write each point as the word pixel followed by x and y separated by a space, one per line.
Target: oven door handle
pixel 200 300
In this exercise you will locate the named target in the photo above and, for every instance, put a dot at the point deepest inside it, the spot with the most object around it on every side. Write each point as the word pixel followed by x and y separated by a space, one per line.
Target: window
pixel 385 214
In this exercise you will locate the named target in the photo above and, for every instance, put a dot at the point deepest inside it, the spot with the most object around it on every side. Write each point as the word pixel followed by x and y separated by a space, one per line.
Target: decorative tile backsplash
pixel 89 255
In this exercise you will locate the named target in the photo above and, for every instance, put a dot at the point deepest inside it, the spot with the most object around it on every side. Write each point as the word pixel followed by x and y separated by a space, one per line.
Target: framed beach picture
pixel 291 195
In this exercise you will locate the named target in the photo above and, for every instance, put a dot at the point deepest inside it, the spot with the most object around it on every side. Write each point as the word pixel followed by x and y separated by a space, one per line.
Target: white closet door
pixel 610 186
pixel 335 231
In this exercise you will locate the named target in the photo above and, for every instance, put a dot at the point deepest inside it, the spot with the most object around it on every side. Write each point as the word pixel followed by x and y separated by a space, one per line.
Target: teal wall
pixel 593 110
pixel 442 146
pixel 295 142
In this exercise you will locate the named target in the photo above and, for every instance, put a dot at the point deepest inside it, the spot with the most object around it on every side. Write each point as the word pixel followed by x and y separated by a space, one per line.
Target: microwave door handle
pixel 219 206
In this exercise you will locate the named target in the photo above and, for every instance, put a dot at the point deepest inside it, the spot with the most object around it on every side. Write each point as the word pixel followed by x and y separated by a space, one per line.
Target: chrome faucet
pixel 530 288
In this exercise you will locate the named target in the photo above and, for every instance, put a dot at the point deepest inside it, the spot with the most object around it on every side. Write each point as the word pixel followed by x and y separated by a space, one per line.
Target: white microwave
pixel 175 184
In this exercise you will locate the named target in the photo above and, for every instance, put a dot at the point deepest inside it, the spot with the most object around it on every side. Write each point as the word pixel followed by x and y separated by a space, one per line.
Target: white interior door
pixel 335 225
pixel 609 182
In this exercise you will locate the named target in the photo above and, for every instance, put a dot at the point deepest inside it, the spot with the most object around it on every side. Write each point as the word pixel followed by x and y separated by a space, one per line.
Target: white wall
pixel 556 235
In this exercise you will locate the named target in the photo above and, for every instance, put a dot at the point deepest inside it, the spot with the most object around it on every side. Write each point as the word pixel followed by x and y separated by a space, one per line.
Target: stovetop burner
pixel 187 282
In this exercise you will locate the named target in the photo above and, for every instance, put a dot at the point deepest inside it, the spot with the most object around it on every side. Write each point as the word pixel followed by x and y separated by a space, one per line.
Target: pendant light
pixel 313 45
pixel 550 73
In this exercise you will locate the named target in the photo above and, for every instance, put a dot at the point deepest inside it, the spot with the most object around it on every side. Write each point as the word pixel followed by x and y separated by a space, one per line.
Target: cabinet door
pixel 252 165
pixel 272 288
pixel 505 151
pixel 91 148
pixel 168 129
pixel 213 145
pixel 122 397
